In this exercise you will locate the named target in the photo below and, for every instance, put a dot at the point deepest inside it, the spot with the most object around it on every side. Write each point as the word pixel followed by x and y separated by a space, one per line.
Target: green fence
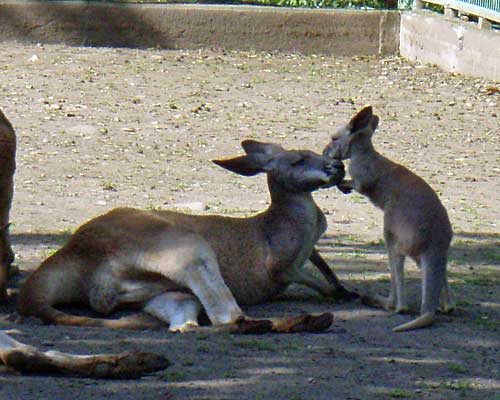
pixel 488 9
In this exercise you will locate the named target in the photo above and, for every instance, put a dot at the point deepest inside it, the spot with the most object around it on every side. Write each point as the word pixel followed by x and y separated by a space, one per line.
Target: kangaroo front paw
pixel 304 323
pixel 345 187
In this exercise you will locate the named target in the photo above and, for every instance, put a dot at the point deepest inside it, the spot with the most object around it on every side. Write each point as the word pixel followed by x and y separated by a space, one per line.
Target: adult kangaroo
pixel 171 264
pixel 24 358
pixel 7 170
pixel 415 222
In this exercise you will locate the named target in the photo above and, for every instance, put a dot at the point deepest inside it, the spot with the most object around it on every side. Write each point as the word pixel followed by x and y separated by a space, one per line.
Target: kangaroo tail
pixel 50 315
pixel 424 320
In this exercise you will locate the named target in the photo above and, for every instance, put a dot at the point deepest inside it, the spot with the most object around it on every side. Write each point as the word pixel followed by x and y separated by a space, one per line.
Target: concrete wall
pixel 419 36
pixel 452 44
pixel 195 26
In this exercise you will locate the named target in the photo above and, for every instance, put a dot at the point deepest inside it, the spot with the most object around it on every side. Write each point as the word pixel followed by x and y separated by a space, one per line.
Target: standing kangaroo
pixel 7 170
pixel 415 222
pixel 28 359
pixel 171 264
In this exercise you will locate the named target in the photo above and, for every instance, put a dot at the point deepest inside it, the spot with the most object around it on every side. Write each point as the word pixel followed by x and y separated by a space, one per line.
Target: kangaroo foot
pixel 303 323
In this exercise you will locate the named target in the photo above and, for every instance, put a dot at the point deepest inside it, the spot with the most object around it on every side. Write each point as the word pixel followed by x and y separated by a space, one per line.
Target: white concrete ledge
pixel 452 44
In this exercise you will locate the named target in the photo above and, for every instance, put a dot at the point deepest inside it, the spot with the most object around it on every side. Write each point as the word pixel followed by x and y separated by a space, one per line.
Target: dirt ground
pixel 100 128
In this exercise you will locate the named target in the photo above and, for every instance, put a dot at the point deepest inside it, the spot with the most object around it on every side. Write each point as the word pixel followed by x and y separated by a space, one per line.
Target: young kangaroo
pixel 7 169
pixel 415 222
pixel 171 264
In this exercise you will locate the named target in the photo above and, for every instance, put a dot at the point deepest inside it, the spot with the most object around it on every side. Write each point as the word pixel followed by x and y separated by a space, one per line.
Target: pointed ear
pixel 253 146
pixel 361 120
pixel 374 123
pixel 248 165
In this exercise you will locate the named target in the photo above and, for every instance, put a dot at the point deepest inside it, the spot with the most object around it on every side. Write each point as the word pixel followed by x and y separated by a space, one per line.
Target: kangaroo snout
pixel 335 170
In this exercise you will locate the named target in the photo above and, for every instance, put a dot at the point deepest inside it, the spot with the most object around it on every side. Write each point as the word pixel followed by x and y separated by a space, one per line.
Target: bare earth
pixel 100 128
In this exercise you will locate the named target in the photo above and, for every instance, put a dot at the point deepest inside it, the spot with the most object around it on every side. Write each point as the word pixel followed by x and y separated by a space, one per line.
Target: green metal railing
pixel 488 9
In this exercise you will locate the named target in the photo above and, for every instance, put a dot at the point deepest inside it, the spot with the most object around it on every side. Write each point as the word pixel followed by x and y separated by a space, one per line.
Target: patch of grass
pixel 203 348
pixel 491 256
pixel 485 322
pixel 399 394
pixel 457 259
pixel 253 344
pixel 109 186
pixel 357 198
pixel 188 362
pixel 356 254
pixel 464 303
pixel 480 280
pixel 293 347
pixel 50 252
pixel 457 385
pixel 456 368
pixel 174 376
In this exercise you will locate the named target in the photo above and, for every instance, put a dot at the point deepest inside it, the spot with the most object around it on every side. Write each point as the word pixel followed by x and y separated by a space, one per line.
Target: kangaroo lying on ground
pixel 7 170
pixel 415 222
pixel 28 359
pixel 171 264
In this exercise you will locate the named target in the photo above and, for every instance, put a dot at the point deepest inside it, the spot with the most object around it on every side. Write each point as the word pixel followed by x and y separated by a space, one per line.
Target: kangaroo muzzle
pixel 335 170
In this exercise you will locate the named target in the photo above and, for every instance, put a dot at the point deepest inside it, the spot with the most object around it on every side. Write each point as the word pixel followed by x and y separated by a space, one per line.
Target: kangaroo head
pixel 355 135
pixel 287 170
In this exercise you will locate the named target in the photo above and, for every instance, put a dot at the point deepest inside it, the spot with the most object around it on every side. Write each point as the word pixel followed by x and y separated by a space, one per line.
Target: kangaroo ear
pixel 361 120
pixel 247 165
pixel 374 122
pixel 253 146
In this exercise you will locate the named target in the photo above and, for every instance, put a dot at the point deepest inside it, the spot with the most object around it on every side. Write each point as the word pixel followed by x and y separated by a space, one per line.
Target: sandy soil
pixel 99 128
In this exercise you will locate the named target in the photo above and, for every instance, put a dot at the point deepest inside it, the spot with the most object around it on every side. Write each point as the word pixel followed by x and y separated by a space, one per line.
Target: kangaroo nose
pixel 338 164
pixel 335 164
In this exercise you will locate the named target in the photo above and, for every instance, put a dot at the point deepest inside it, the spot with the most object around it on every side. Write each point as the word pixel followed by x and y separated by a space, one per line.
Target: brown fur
pixel 161 260
pixel 415 222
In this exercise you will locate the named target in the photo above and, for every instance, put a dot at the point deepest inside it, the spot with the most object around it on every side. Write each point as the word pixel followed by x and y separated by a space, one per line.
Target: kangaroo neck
pixel 370 172
pixel 294 214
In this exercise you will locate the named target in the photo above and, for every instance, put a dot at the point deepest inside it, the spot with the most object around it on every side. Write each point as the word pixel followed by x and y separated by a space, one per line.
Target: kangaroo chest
pixel 292 241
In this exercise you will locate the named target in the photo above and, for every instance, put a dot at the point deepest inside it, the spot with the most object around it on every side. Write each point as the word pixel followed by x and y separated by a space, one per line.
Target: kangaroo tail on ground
pixel 50 315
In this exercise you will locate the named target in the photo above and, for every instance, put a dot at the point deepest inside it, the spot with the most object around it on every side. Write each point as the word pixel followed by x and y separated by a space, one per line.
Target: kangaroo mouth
pixel 334 179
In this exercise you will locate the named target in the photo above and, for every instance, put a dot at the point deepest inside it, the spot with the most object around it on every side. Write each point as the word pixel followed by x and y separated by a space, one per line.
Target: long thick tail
pixel 424 320
pixel 30 360
pixel 50 315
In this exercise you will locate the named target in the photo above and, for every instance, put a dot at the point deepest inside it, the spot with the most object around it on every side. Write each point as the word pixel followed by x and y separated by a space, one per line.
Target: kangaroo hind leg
pixel 201 274
pixel 178 309
pixel 446 300
pixel 433 281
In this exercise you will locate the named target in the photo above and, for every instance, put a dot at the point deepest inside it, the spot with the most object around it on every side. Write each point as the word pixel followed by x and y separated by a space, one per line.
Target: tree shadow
pixel 36 239
pixel 82 23
pixel 467 248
